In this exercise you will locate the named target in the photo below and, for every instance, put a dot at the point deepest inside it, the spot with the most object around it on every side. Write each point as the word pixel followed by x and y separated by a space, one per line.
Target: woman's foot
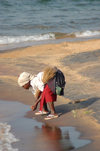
pixel 51 116
pixel 41 112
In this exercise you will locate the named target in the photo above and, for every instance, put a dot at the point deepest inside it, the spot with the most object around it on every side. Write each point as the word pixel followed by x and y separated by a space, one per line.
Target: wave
pixel 17 39
pixel 6 138
pixel 87 33
pixel 4 40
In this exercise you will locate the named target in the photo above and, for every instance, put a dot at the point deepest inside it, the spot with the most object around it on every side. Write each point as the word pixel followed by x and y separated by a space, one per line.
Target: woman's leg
pixel 45 108
pixel 48 97
pixel 52 108
pixel 53 112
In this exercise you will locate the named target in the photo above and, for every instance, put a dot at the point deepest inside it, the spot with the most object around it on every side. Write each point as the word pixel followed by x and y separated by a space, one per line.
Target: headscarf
pixel 24 78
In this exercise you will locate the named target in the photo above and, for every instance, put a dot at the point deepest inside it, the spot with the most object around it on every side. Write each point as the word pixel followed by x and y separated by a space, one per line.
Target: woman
pixel 39 87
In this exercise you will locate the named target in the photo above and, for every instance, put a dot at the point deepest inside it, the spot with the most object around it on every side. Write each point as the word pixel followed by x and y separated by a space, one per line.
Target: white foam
pixel 6 138
pixel 18 39
pixel 87 33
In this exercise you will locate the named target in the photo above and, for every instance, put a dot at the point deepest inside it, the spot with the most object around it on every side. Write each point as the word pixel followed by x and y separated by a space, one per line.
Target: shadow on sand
pixel 65 108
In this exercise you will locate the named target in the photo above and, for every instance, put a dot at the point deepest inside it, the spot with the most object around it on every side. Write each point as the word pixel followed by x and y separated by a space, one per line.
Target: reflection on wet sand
pixel 54 140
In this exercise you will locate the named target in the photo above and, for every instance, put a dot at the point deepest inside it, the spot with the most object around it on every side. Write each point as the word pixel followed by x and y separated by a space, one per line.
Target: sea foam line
pixel 87 33
pixel 18 39
pixel 6 138
pixel 5 40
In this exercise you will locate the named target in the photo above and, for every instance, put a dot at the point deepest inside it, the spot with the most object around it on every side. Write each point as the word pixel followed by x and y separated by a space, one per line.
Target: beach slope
pixel 80 64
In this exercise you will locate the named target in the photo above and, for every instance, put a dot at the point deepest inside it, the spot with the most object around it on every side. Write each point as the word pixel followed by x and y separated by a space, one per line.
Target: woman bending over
pixel 38 86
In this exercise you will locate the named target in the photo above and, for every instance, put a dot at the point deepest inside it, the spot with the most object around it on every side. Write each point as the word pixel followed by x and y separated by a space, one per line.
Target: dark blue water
pixel 36 20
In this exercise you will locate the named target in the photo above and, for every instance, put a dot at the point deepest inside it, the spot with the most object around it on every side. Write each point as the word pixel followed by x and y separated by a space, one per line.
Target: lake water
pixel 39 20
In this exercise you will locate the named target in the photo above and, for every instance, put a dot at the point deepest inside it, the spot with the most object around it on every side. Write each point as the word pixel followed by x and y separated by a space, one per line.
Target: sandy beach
pixel 80 63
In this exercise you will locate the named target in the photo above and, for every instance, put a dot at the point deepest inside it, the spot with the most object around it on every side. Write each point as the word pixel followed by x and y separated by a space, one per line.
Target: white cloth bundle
pixel 24 78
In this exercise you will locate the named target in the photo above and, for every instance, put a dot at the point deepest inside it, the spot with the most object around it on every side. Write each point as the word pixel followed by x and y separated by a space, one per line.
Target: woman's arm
pixel 33 107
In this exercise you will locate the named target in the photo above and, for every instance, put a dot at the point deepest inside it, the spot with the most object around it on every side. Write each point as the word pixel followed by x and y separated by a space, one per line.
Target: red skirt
pixel 47 96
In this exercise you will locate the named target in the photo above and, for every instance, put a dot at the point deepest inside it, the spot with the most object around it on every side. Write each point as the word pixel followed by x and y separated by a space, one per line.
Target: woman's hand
pixel 33 107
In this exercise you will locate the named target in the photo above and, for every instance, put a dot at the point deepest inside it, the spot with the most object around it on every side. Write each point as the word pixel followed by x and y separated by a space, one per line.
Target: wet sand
pixel 80 63
pixel 31 134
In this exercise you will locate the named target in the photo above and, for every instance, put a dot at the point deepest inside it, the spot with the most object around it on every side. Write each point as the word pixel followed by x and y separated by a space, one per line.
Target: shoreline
pixel 23 45
pixel 34 59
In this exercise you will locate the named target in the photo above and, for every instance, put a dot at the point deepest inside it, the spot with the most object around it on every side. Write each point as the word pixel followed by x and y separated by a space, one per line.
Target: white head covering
pixel 24 78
